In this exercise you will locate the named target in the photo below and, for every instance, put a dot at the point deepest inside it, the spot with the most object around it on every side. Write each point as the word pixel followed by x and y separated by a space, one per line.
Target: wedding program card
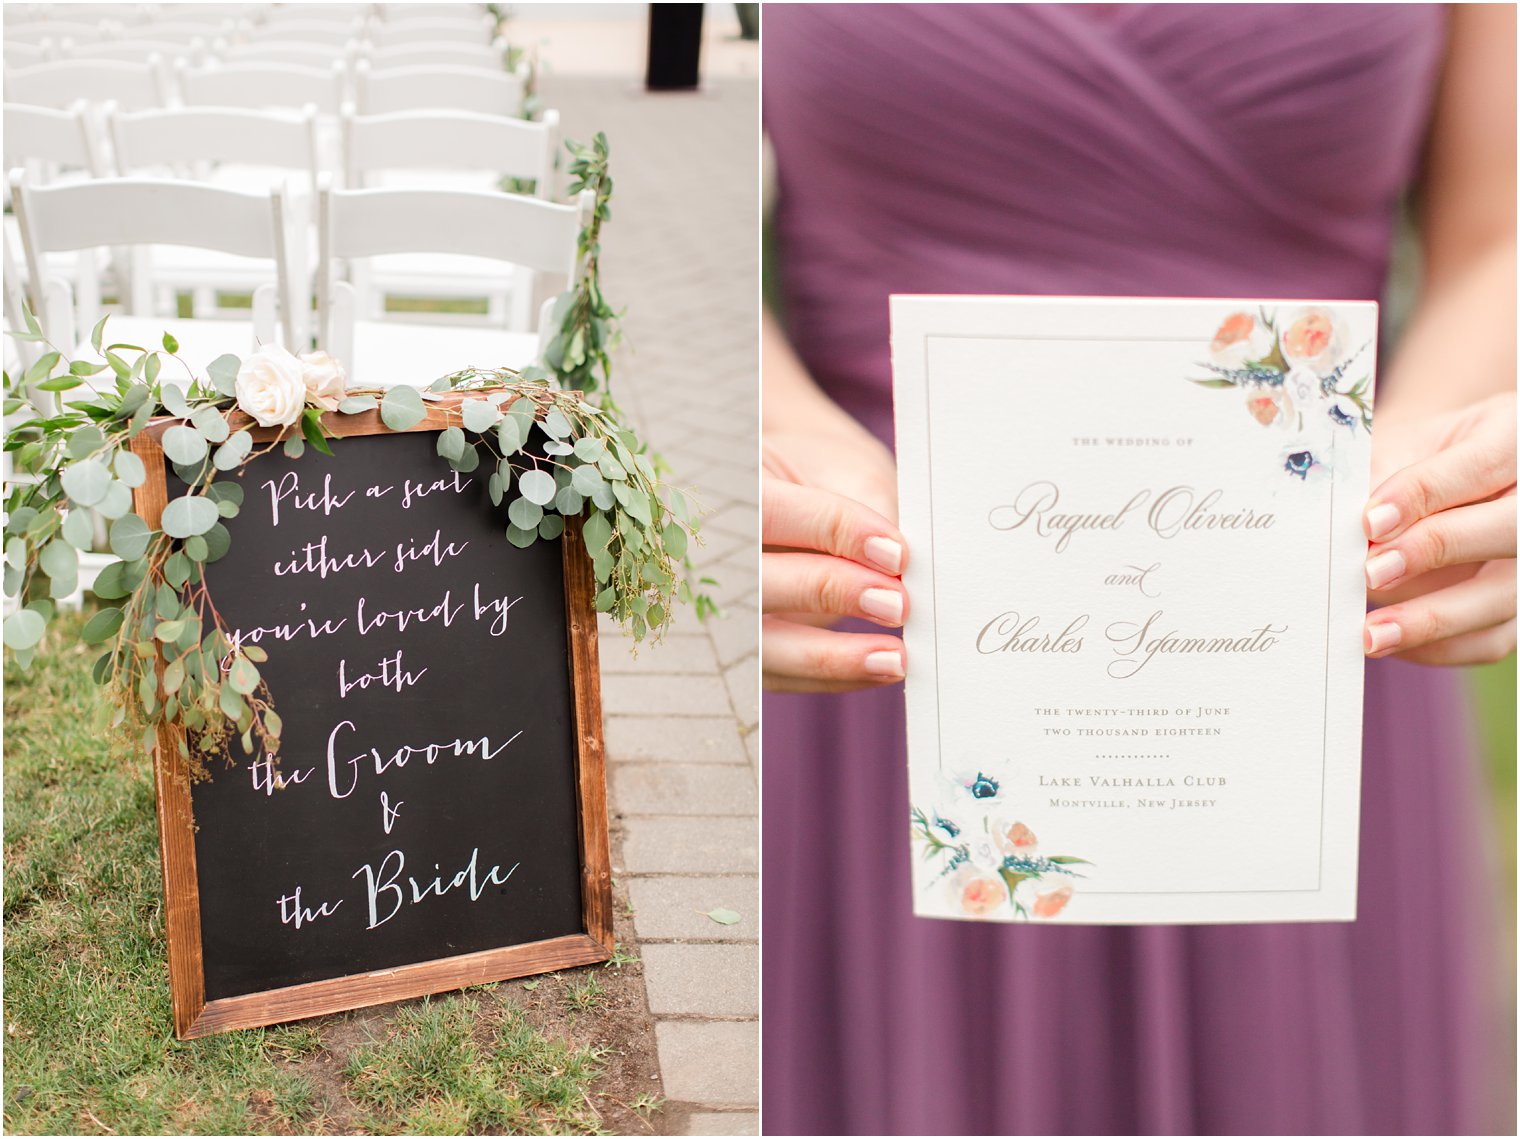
pixel 1134 647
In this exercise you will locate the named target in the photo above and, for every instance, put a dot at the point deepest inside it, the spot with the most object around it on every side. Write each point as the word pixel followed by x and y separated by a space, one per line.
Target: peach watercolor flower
pixel 1310 340
pixel 1051 900
pixel 1265 405
pixel 1240 338
pixel 980 896
pixel 1020 840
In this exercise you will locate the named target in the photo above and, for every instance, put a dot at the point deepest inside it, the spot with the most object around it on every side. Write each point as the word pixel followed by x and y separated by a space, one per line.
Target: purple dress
pixel 1170 150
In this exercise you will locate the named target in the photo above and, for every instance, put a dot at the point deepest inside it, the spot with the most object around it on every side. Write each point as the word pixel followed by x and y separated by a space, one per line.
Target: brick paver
pixel 681 252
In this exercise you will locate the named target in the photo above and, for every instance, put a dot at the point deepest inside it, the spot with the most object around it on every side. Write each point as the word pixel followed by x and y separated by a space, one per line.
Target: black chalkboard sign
pixel 436 816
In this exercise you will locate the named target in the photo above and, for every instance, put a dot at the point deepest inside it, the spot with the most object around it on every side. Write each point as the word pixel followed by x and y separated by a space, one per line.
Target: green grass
pixel 89 1046
pixel 434 1075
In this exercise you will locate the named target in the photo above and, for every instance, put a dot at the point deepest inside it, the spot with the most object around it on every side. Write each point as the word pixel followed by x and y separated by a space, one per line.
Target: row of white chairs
pixel 479 28
pixel 493 91
pixel 255 150
pixel 130 213
pixel 201 52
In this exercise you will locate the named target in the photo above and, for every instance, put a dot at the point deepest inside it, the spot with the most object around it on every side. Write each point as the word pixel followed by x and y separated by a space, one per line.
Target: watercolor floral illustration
pixel 985 859
pixel 1294 371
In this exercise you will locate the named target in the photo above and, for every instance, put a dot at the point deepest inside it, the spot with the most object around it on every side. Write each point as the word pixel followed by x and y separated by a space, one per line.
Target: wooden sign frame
pixel 193 1014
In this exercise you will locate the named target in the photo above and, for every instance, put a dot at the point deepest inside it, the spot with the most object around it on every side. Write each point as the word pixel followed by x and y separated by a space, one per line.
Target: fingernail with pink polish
pixel 1385 567
pixel 1383 636
pixel 884 663
pixel 1382 520
pixel 885 554
pixel 883 604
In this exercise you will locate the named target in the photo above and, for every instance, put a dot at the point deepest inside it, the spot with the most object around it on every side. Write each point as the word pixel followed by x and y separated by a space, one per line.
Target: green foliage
pixel 579 355
pixel 167 651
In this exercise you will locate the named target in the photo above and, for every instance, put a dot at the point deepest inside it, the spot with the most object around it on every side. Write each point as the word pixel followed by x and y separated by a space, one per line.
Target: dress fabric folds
pixel 1169 150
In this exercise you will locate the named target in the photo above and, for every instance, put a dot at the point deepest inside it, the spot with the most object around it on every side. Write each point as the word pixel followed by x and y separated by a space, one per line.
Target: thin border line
pixel 934 592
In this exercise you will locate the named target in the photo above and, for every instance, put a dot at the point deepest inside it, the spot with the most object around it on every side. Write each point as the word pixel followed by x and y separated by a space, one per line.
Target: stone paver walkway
pixel 682 719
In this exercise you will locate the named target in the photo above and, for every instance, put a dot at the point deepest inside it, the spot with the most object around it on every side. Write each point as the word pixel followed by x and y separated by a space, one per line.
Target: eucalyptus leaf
pixel 586 480
pixel 86 441
pixel 537 487
pixel 130 469
pixel 451 443
pixel 551 527
pixel 86 482
pixel 230 455
pixel 479 416
pixel 79 530
pixel 211 423
pixel 189 514
pixel 402 408
pixel 521 538
pixel 354 404
pixel 509 435
pixel 130 536
pixel 118 500
pixel 59 559
pixel 556 424
pixel 524 514
pixel 223 373
pixel 102 626
pixel 184 445
pixel 24 629
pixel 172 396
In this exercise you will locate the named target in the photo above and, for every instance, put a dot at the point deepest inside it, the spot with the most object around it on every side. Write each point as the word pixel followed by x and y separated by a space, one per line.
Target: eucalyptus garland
pixel 165 646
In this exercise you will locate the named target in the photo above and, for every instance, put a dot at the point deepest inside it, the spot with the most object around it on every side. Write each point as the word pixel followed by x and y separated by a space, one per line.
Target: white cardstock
pixel 1134 648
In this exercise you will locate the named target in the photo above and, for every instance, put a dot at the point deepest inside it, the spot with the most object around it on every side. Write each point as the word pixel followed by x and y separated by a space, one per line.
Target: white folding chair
pixel 470 28
pixel 455 150
pixel 235 148
pixel 483 90
pixel 54 147
pixel 257 85
pixel 65 82
pixel 533 235
pixel 139 212
pixel 426 53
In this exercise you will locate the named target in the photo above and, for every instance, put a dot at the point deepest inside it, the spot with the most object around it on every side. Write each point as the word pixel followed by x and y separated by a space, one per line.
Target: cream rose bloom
pixel 326 381
pixel 270 387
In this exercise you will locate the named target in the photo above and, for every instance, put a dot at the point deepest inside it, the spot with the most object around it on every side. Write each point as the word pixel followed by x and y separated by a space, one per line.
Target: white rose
pixel 1303 388
pixel 326 381
pixel 270 387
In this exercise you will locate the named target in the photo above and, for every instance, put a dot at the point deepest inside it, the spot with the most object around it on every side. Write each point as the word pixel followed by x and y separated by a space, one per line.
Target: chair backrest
pixel 450 140
pixel 135 51
pixel 281 51
pixel 264 85
pixel 19 53
pixel 128 212
pixel 479 89
pixel 63 83
pixel 184 31
pixel 469 29
pixel 173 138
pixel 35 31
pixel 335 32
pixel 43 139
pixel 531 234
pixel 423 53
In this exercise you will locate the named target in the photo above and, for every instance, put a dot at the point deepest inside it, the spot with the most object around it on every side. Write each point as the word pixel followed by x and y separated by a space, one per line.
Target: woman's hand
pixel 830 549
pixel 1442 560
